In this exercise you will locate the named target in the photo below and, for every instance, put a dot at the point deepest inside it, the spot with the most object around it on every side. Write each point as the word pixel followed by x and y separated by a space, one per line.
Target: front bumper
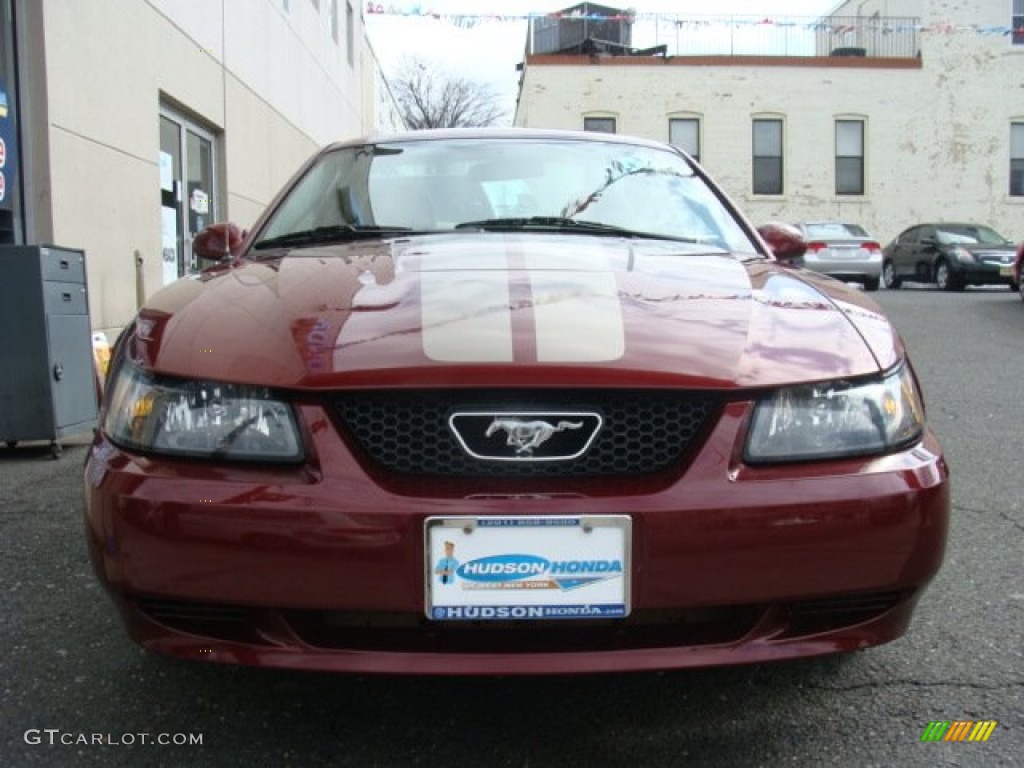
pixel 322 566
pixel 986 273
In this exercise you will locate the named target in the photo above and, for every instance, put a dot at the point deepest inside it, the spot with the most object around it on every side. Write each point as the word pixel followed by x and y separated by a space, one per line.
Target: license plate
pixel 1006 271
pixel 841 252
pixel 508 568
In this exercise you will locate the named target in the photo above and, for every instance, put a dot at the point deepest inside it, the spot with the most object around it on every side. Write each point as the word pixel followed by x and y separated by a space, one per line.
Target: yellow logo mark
pixel 959 730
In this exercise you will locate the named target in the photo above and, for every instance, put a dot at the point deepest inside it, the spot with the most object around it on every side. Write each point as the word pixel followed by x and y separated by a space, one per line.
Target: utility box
pixel 47 376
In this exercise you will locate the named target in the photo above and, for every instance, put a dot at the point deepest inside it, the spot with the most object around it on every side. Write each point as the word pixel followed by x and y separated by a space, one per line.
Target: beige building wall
pixel 937 127
pixel 265 77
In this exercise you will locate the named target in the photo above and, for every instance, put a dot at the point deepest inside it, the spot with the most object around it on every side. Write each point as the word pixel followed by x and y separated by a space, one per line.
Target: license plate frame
pixel 521 567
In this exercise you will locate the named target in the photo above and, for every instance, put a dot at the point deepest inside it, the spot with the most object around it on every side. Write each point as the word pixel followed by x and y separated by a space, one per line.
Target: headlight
pixel 823 421
pixel 199 418
pixel 963 255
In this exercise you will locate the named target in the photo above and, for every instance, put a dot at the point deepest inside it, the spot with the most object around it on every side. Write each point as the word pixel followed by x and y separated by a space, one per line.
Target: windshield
pixel 835 230
pixel 969 234
pixel 438 185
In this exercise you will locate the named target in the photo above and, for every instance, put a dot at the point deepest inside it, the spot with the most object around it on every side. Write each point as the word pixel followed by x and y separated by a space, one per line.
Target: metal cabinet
pixel 47 376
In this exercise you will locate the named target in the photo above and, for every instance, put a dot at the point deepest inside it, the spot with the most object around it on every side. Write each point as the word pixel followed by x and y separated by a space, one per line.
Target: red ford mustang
pixel 511 402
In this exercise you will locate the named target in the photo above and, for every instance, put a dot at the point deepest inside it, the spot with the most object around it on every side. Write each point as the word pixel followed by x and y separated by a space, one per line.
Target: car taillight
pixel 814 246
pixel 872 247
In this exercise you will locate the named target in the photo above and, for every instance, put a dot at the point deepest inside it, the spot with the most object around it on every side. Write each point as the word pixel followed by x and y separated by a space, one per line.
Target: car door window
pixel 905 245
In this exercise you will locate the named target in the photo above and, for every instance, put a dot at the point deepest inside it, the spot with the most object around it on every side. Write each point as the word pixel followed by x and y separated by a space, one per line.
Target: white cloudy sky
pixel 490 50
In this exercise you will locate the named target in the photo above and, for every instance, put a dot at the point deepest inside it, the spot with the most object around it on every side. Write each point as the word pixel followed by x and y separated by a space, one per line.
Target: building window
pixel 1017 22
pixel 684 132
pixel 350 33
pixel 1017 159
pixel 332 19
pixel 767 167
pixel 599 124
pixel 849 157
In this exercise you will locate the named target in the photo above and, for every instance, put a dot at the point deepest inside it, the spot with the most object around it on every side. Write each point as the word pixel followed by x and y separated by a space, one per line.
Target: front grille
pixel 224 622
pixel 413 633
pixel 644 431
pixel 809 617
pixel 393 632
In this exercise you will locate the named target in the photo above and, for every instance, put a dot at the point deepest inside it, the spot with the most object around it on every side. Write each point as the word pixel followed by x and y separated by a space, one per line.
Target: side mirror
pixel 785 241
pixel 219 241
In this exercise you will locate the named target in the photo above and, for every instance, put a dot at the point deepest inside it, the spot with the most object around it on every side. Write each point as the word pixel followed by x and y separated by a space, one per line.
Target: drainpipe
pixel 140 281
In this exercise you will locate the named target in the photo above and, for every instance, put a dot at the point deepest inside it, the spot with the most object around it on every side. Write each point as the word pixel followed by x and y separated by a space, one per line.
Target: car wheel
pixel 870 283
pixel 889 278
pixel 944 277
pixel 1020 287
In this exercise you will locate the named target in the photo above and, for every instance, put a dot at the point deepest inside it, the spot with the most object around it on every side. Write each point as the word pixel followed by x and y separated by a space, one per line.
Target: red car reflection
pixel 511 402
pixel 1018 266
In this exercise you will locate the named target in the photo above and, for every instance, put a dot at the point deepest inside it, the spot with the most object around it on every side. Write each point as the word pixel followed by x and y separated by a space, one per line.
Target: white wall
pixel 272 86
pixel 937 136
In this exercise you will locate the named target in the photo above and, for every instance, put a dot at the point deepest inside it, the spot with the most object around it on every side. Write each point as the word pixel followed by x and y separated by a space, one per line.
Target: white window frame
pixel 597 118
pixel 844 152
pixel 1016 167
pixel 698 124
pixel 759 153
pixel 350 33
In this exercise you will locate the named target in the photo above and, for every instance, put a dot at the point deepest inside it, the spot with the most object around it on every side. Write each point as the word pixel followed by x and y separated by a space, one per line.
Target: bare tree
pixel 430 98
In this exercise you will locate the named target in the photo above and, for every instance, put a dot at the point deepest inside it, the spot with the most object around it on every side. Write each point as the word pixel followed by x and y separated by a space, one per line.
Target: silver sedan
pixel 844 251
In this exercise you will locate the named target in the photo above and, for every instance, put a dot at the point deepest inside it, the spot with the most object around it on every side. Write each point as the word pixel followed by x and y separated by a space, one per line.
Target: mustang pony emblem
pixel 527 435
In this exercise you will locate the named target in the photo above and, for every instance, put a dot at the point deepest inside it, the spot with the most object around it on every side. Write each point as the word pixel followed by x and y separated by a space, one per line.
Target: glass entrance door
pixel 188 197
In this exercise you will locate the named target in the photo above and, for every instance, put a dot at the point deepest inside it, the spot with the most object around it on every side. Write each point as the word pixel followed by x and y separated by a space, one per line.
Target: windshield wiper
pixel 562 224
pixel 331 234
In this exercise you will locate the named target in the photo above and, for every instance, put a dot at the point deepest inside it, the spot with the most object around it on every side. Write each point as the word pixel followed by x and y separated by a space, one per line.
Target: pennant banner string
pixel 839 25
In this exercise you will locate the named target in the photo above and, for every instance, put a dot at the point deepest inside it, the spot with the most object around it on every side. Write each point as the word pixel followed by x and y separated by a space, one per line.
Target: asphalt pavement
pixel 77 692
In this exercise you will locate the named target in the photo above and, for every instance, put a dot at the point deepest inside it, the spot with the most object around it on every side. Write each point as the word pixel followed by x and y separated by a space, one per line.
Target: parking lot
pixel 70 673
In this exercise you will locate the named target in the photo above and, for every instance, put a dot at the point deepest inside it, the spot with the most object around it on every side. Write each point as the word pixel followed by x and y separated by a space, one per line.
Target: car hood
pixel 980 249
pixel 473 309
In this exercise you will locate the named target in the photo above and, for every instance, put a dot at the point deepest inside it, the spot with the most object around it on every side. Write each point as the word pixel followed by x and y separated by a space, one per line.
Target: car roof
pixel 830 223
pixel 951 224
pixel 806 224
pixel 448 134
